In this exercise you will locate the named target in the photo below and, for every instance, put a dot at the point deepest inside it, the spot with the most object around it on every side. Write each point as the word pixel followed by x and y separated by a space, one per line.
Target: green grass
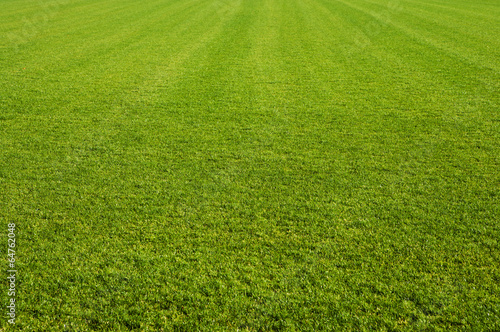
pixel 251 165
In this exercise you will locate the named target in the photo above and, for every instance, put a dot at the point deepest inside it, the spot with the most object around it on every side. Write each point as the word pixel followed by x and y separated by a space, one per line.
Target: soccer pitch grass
pixel 251 165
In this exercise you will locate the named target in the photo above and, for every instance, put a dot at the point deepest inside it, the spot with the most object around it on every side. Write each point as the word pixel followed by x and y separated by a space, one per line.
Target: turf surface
pixel 251 165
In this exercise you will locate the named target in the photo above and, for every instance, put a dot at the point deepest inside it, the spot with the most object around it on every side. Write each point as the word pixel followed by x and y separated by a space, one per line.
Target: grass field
pixel 251 165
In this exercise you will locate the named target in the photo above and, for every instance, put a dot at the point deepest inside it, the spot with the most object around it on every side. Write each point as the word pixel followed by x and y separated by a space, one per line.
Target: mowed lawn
pixel 251 165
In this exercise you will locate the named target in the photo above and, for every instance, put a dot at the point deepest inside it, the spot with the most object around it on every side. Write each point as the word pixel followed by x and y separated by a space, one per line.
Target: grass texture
pixel 251 165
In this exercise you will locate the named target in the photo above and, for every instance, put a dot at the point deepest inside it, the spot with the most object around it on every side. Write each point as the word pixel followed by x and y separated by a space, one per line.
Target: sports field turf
pixel 251 165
